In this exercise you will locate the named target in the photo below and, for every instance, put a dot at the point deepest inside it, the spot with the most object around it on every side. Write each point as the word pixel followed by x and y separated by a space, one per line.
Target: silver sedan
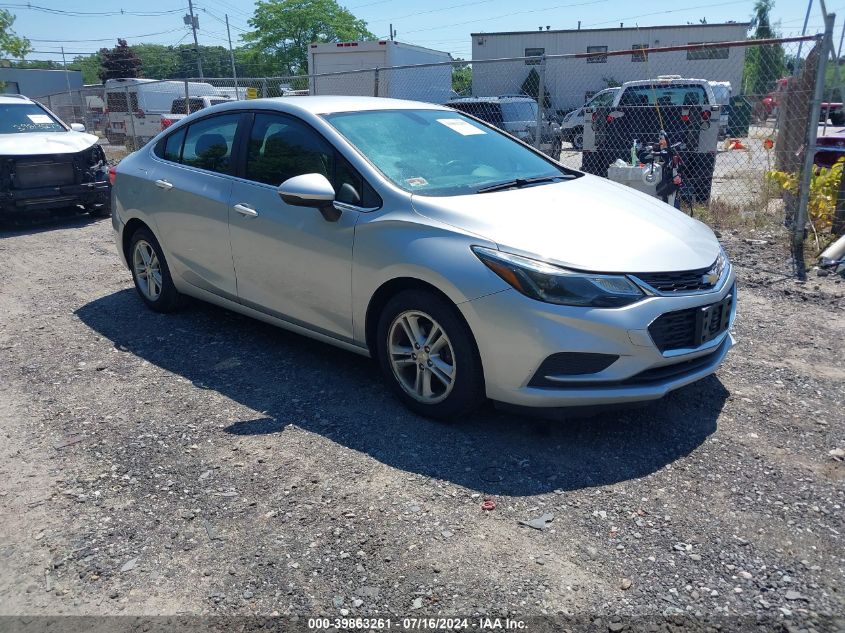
pixel 469 265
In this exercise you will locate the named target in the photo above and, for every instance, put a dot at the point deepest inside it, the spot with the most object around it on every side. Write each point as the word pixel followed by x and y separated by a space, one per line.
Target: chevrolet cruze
pixel 469 265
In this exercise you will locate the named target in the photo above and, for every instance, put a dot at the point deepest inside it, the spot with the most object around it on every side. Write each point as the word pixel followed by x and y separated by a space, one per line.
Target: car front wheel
pixel 428 355
pixel 151 274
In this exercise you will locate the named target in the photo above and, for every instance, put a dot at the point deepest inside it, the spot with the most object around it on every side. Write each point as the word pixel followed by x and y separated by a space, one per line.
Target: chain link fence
pixel 737 113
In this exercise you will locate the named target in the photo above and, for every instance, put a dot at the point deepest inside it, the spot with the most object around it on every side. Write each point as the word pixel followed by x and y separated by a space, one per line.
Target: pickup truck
pixel 195 104
pixel 835 111
pixel 685 109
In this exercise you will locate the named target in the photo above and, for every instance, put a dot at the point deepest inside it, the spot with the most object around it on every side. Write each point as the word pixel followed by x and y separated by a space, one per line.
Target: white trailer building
pixel 571 82
pixel 432 83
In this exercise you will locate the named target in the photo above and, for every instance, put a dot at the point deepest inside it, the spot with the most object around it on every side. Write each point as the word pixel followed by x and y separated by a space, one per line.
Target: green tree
pixel 766 63
pixel 89 65
pixel 462 79
pixel 283 29
pixel 118 62
pixel 531 87
pixel 11 43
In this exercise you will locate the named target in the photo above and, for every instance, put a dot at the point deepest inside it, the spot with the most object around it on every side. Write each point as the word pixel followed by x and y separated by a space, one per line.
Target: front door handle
pixel 163 184
pixel 246 210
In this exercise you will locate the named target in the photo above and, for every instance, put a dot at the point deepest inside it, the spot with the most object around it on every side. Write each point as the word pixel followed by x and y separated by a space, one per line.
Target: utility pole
pixel 194 23
pixel 232 57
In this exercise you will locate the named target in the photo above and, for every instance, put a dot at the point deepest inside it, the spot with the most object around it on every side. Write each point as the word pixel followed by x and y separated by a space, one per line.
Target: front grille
pixel 684 281
pixel 43 172
pixel 570 364
pixel 674 330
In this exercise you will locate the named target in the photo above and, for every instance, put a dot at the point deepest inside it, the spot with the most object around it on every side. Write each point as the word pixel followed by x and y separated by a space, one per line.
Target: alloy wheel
pixel 147 269
pixel 421 356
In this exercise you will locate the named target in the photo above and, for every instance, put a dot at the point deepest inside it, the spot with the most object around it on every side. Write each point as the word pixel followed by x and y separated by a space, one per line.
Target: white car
pixel 572 126
pixel 46 164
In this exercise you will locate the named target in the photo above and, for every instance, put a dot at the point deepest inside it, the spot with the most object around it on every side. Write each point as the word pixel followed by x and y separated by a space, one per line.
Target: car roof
pixel 506 98
pixel 14 98
pixel 331 104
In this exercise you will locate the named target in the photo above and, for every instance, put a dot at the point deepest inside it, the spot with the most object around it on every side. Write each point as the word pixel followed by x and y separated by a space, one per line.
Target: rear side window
pixel 209 142
pixel 170 148
pixel 484 110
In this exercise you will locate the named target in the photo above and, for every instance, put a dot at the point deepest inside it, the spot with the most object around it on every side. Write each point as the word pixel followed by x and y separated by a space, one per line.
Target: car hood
pixel 588 224
pixel 38 143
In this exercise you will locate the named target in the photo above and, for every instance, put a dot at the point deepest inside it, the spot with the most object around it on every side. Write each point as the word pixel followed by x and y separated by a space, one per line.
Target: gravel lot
pixel 205 463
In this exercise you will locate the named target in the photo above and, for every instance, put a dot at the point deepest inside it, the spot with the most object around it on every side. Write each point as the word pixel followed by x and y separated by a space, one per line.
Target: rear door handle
pixel 163 184
pixel 246 210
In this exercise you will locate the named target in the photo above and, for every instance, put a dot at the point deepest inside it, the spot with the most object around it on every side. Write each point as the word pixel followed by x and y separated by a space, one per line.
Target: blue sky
pixel 441 24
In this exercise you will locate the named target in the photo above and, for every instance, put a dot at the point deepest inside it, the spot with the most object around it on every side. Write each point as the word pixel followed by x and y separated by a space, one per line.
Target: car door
pixel 290 262
pixel 189 201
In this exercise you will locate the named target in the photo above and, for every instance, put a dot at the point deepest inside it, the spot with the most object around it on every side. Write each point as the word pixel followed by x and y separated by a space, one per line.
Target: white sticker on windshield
pixel 39 118
pixel 462 127
pixel 417 181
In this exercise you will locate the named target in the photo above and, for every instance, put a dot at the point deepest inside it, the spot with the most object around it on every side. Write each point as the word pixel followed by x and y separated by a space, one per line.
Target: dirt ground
pixel 205 463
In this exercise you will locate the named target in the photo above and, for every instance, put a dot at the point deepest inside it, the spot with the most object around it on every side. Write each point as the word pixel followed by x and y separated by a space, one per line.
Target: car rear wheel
pixel 578 139
pixel 428 355
pixel 151 274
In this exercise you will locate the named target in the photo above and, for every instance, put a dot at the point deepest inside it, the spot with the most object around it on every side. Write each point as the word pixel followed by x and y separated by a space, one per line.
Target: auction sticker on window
pixel 417 181
pixel 39 118
pixel 461 127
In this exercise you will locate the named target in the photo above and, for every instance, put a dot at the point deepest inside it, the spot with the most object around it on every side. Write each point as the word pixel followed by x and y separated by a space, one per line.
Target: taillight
pixel 609 118
pixel 595 116
pixel 141 114
pixel 705 114
pixel 685 118
pixel 112 174
pixel 166 123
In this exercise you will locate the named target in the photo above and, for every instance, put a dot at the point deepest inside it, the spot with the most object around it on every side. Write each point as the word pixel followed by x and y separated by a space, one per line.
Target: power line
pixel 89 14
pixel 108 39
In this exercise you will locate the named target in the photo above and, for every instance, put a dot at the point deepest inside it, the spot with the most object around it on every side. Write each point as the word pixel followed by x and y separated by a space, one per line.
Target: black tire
pixel 467 391
pixel 168 298
pixel 578 138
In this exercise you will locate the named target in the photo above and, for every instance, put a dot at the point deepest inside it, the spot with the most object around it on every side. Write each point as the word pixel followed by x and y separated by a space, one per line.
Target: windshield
pixel 27 117
pixel 519 110
pixel 691 94
pixel 439 152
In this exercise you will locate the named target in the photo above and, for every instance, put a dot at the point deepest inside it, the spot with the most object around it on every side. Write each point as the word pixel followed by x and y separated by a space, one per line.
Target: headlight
pixel 553 284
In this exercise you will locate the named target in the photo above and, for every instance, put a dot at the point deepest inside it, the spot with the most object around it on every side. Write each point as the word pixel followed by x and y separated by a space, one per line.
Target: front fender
pixel 400 246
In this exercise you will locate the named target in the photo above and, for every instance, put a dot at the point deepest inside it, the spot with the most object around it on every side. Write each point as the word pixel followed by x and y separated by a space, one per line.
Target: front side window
pixel 281 147
pixel 597 59
pixel 16 118
pixel 209 142
pixel 439 152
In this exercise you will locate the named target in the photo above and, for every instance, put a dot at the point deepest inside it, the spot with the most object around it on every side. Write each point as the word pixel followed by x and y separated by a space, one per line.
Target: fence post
pixel 187 99
pixel 375 82
pixel 810 149
pixel 541 102
pixel 264 88
pixel 131 117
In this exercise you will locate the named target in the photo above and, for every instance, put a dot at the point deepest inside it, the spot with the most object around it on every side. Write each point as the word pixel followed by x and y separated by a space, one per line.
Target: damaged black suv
pixel 46 164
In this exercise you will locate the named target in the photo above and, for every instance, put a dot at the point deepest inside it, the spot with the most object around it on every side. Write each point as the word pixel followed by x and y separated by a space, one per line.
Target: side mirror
pixel 77 127
pixel 310 190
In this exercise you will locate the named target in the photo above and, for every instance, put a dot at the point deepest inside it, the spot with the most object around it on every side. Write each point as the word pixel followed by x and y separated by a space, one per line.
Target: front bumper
pixel 515 334
pixel 86 194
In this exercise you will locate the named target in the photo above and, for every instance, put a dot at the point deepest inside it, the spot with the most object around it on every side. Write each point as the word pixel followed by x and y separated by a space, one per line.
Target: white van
pixel 134 106
pixel 572 126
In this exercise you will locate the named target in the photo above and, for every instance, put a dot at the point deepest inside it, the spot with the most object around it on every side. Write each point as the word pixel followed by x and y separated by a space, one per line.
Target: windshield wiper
pixel 518 183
